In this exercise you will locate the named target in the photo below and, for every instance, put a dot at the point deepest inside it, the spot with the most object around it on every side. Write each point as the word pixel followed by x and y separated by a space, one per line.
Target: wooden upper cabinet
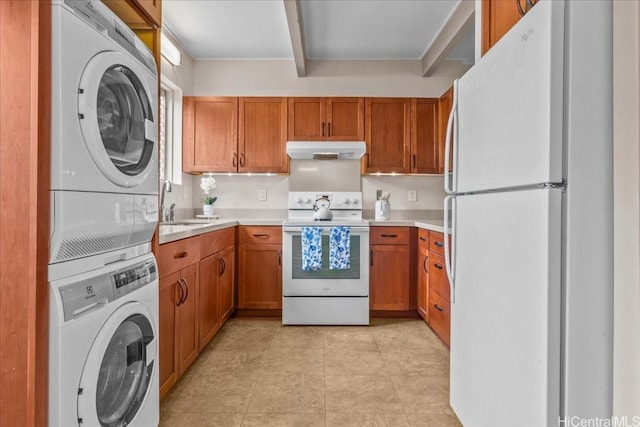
pixel 152 9
pixel 388 135
pixel 262 135
pixel 326 119
pixel 425 143
pixel 345 119
pixel 444 109
pixel 498 16
pixel 209 134
pixel 306 119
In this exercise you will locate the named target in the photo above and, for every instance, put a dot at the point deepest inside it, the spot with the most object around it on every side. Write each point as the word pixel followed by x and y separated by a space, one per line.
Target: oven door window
pixel 325 273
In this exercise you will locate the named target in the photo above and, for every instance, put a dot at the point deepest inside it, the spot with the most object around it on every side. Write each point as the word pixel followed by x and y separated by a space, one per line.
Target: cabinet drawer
pixel 423 238
pixel 439 316
pixel 438 280
pixel 436 242
pixel 213 242
pixel 265 234
pixel 177 255
pixel 389 236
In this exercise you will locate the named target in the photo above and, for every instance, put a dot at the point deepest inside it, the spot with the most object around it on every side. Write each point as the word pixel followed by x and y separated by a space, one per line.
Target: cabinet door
pixel 498 16
pixel 262 135
pixel 440 316
pixel 188 321
pixel 153 9
pixel 260 276
pixel 306 117
pixel 208 304
pixel 169 297
pixel 226 284
pixel 389 277
pixel 388 135
pixel 210 134
pixel 424 142
pixel 423 277
pixel 345 119
pixel 444 109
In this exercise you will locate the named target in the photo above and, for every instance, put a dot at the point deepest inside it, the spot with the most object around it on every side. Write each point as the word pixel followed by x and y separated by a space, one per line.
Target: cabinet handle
pixel 280 257
pixel 389 235
pixel 367 161
pixel 414 162
pixel 222 267
pixel 437 307
pixel 179 302
pixel 322 128
pixel 424 239
pixel 438 244
pixel 261 235
pixel 181 255
pixel 371 258
pixel 328 129
pixel 424 264
pixel 438 266
pixel 235 160
pixel 242 160
pixel 186 289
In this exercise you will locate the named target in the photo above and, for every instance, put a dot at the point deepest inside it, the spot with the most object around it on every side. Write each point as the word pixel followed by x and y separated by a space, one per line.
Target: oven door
pixel 325 282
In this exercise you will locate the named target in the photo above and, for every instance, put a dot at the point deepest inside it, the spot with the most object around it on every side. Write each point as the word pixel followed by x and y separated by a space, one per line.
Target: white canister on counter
pixel 383 210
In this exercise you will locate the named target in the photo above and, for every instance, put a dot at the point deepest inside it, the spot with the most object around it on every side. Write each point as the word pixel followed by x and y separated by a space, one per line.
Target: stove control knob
pixel 355 201
pixel 346 202
pixel 300 201
pixel 308 201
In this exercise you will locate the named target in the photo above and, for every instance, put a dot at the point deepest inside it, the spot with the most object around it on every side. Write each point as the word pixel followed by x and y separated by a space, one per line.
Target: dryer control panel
pixel 84 296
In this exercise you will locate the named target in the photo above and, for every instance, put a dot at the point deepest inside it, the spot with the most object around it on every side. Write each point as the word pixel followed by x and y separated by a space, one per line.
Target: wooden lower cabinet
pixel 178 339
pixel 260 267
pixel 433 285
pixel 215 293
pixel 197 278
pixel 389 269
pixel 423 274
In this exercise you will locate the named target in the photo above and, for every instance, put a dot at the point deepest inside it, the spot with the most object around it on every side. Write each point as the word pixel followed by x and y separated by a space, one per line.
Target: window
pixel 170 146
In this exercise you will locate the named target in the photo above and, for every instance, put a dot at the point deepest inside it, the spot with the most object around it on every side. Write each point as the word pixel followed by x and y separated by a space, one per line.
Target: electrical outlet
pixel 412 196
pixel 262 194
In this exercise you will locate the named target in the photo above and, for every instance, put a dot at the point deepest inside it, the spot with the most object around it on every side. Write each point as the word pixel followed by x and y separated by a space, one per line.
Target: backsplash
pixel 242 192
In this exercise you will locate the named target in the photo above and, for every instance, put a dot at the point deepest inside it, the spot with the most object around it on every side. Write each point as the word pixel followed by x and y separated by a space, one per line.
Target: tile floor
pixel 256 372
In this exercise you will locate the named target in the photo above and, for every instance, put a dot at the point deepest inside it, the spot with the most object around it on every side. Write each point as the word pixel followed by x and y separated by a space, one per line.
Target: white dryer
pixel 104 171
pixel 103 365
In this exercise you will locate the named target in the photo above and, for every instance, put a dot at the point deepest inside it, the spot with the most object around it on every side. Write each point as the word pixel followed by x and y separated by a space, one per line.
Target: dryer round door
pixel 118 373
pixel 116 114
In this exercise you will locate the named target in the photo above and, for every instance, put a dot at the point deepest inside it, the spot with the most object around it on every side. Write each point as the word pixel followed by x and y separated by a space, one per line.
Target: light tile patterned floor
pixel 256 372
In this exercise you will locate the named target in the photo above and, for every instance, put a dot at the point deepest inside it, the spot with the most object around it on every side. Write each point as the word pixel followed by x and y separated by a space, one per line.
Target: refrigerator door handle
pixel 450 181
pixel 449 249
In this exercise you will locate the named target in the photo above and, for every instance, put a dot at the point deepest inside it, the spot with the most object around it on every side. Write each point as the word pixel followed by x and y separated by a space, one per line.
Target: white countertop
pixel 193 227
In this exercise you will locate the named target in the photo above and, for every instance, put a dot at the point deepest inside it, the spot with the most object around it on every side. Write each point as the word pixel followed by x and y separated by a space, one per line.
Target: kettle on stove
pixel 322 213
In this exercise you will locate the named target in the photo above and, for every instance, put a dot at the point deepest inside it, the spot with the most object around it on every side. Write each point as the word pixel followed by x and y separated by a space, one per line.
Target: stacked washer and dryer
pixel 103 276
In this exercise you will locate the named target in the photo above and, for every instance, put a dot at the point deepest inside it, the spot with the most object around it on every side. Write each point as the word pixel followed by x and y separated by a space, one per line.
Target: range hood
pixel 326 150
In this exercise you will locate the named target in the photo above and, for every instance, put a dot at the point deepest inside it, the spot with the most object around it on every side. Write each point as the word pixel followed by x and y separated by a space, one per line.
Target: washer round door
pixel 118 372
pixel 116 110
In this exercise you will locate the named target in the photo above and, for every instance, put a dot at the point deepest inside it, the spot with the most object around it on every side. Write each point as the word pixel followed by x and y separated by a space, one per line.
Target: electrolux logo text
pixel 576 421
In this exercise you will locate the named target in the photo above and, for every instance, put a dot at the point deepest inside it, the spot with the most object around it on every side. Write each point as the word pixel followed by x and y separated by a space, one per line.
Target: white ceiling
pixel 332 29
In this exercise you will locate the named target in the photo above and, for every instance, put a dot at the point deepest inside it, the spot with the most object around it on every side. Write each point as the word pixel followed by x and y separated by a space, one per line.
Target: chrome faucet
pixel 166 188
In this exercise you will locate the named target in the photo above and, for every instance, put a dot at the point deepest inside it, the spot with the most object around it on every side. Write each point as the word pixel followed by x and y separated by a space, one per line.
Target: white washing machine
pixel 103 347
pixel 104 171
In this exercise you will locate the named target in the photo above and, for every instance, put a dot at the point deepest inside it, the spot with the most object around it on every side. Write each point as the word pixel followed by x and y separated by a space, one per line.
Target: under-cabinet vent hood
pixel 326 150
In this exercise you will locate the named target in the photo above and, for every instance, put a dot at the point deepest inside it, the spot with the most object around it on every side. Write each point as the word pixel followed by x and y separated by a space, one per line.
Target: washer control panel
pixel 85 295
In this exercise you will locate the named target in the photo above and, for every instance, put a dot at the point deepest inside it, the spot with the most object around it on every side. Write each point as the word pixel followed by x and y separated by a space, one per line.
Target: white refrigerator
pixel 530 213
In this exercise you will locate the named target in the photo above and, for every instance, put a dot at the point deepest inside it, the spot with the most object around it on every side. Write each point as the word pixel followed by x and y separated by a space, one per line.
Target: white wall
pixel 324 78
pixel 626 390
